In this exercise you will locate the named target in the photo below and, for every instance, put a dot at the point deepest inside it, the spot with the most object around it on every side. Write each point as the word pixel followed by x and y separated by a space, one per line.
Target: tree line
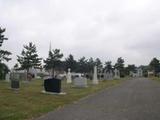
pixel 29 58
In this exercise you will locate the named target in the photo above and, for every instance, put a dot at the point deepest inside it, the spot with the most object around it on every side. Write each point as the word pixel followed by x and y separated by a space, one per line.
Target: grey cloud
pixel 92 28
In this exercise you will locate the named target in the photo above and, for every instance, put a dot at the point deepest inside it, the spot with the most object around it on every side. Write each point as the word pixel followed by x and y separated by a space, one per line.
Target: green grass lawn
pixel 30 103
pixel 155 78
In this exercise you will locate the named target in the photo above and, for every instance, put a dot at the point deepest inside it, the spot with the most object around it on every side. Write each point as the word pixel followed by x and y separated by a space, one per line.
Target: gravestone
pixel 116 74
pixel 15 81
pixel 24 77
pixel 106 75
pixel 95 80
pixel 101 76
pixel 69 78
pixel 52 86
pixel 110 75
pixel 7 77
pixel 33 71
pixel 139 72
pixel 80 82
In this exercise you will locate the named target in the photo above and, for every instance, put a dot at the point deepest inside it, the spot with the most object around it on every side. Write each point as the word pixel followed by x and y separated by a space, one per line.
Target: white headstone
pixel 69 77
pixel 140 72
pixel 95 80
pixel 7 77
pixel 110 75
pixel 106 75
pixel 33 71
pixel 116 74
pixel 80 82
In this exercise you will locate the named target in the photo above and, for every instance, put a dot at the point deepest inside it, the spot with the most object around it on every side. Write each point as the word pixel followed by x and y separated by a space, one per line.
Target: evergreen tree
pixel 108 66
pixel 145 70
pixel 29 58
pixel 4 56
pixel 82 65
pixel 130 68
pixel 90 65
pixel 3 70
pixel 70 63
pixel 2 37
pixel 53 62
pixel 16 66
pixel 120 66
pixel 155 66
pixel 99 64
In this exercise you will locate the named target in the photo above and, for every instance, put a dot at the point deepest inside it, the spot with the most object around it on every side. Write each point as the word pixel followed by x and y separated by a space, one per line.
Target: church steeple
pixel 50 47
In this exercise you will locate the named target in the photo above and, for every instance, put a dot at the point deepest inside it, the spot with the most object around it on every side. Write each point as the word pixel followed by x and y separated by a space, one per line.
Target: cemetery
pixel 29 102
pixel 29 90
pixel 34 87
pixel 79 60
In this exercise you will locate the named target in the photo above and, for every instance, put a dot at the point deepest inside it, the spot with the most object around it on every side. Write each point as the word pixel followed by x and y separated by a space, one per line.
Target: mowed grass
pixel 29 102
pixel 155 78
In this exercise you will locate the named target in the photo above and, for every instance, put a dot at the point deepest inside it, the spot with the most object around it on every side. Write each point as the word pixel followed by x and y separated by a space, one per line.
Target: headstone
pixel 140 72
pixel 110 75
pixel 33 71
pixel 95 80
pixel 7 77
pixel 52 86
pixel 106 75
pixel 132 74
pixel 80 82
pixel 150 73
pixel 116 74
pixel 69 78
pixel 15 81
pixel 101 76
pixel 24 77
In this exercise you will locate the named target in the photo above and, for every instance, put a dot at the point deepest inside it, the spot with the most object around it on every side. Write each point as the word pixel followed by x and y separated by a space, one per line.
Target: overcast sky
pixel 106 29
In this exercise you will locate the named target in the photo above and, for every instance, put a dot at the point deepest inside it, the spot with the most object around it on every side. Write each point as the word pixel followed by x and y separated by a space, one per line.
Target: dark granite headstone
pixel 15 81
pixel 52 85
pixel 15 84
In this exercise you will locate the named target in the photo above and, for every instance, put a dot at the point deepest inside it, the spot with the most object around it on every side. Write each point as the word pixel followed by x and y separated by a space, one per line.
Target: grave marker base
pixel 53 93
